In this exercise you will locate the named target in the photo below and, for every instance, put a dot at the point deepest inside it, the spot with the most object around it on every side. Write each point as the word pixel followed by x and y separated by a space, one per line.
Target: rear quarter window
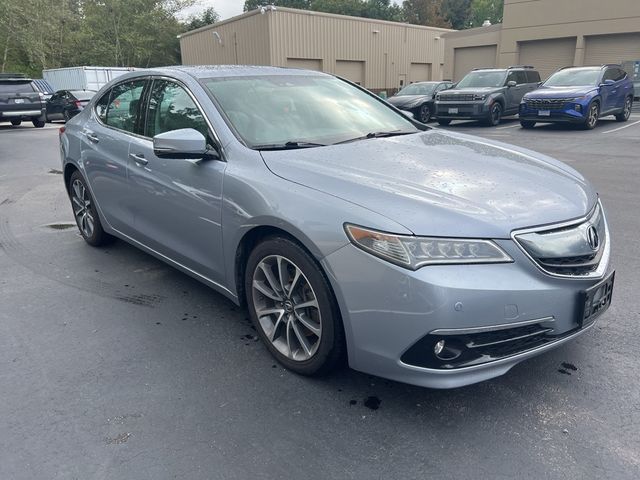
pixel 532 76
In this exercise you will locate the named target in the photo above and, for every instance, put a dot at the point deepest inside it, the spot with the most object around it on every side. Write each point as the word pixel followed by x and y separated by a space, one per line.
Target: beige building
pixel 549 34
pixel 377 54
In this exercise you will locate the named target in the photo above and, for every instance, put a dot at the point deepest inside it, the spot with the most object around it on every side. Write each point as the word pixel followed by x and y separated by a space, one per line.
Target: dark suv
pixel 486 94
pixel 20 100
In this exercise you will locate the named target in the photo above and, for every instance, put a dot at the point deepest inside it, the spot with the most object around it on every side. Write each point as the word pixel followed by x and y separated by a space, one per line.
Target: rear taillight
pixel 78 103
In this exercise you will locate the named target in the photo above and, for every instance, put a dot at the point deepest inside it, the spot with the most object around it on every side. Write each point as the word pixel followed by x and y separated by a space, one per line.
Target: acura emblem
pixel 592 237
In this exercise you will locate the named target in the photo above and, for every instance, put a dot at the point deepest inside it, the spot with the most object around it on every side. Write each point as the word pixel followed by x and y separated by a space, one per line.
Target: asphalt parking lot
pixel 116 366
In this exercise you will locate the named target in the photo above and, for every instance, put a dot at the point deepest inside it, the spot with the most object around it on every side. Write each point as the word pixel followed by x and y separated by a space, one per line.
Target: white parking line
pixel 508 126
pixel 620 128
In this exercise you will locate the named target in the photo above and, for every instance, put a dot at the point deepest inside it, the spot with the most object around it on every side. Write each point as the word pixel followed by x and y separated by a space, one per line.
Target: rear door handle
pixel 93 138
pixel 138 158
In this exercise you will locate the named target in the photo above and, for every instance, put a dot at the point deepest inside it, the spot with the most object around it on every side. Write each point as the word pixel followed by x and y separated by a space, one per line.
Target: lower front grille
pixel 462 97
pixel 546 103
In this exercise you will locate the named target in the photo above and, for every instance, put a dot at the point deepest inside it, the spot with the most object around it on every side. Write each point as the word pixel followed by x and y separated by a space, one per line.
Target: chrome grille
pixel 547 103
pixel 569 250
pixel 452 97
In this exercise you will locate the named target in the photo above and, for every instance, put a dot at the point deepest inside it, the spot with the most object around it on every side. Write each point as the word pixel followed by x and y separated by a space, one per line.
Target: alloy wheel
pixel 425 113
pixel 82 208
pixel 592 119
pixel 627 108
pixel 287 308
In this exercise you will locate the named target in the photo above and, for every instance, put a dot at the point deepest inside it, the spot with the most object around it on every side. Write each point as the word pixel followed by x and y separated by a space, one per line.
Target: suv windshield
pixel 574 78
pixel 16 87
pixel 417 89
pixel 482 79
pixel 270 110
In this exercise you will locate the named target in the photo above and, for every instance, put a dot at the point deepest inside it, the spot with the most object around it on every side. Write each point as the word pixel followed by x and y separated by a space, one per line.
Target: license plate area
pixel 453 111
pixel 595 300
pixel 18 100
pixel 544 113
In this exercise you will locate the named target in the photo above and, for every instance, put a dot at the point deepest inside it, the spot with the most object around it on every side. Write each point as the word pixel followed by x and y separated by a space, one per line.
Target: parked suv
pixel 580 95
pixel 486 94
pixel 20 100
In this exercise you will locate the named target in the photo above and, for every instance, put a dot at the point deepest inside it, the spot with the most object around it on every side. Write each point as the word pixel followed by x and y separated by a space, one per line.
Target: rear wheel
pixel 85 213
pixel 424 113
pixel 527 124
pixel 293 308
pixel 16 122
pixel 444 121
pixel 37 123
pixel 592 116
pixel 623 116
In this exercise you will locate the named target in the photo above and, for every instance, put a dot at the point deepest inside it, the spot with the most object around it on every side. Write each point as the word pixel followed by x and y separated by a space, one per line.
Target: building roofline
pixel 314 13
pixel 473 31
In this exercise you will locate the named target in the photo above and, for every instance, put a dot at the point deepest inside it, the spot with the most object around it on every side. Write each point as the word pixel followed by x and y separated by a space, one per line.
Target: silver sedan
pixel 351 232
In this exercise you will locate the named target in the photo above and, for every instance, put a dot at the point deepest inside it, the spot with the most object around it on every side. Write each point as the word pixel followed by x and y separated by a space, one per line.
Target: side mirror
pixel 185 143
pixel 511 83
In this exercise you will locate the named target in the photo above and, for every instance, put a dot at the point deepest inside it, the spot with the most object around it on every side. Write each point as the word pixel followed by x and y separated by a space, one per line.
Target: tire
pixel 65 116
pixel 424 113
pixel 312 346
pixel 37 123
pixel 593 113
pixel 495 115
pixel 444 122
pixel 527 124
pixel 626 111
pixel 85 213
pixel 16 122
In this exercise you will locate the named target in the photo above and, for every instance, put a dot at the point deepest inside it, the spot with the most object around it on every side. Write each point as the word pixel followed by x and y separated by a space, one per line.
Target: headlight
pixel 479 97
pixel 415 252
pixel 438 96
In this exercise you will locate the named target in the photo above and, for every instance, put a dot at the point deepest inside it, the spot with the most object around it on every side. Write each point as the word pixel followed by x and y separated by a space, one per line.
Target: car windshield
pixel 16 87
pixel 270 110
pixel 574 78
pixel 417 89
pixel 482 79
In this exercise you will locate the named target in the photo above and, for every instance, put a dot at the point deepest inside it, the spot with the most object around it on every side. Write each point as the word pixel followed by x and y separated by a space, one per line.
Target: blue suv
pixel 579 95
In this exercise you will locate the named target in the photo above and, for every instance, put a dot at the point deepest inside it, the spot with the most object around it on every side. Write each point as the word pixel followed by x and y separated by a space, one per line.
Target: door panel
pixel 177 206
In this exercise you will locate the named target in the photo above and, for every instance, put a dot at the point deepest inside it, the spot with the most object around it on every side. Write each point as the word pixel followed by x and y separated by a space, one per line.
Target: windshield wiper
pixel 291 145
pixel 392 133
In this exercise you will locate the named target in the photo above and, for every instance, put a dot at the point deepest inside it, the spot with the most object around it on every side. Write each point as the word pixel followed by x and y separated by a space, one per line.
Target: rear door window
pixel 519 77
pixel 123 107
pixel 532 76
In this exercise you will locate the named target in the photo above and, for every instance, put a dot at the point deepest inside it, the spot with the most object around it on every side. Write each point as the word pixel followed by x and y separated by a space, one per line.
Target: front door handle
pixel 138 158
pixel 92 138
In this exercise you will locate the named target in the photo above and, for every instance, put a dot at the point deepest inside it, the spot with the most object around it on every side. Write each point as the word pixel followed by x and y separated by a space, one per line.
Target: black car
pixel 20 100
pixel 44 87
pixel 65 104
pixel 486 94
pixel 418 98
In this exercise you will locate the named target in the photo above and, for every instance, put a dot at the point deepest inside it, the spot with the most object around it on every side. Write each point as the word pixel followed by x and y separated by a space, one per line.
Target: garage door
pixel 308 63
pixel 351 70
pixel 547 56
pixel 419 72
pixel 612 48
pixel 468 58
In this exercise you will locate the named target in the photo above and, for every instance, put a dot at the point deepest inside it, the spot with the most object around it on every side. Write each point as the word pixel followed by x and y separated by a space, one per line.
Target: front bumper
pixel 565 115
pixel 476 110
pixel 388 310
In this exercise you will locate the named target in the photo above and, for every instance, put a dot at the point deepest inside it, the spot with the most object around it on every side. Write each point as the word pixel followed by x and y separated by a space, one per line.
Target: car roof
pixel 213 71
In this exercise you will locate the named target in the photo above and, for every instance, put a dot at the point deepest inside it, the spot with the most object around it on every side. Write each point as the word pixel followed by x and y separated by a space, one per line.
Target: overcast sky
pixel 225 8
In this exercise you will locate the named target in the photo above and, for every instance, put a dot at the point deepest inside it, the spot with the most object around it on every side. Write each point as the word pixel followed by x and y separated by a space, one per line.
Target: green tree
pixel 482 10
pixel 207 17
pixel 457 13
pixel 301 4
pixel 425 12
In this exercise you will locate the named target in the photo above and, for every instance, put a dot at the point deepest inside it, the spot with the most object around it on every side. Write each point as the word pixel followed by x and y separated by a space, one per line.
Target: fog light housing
pixel 439 346
pixel 578 108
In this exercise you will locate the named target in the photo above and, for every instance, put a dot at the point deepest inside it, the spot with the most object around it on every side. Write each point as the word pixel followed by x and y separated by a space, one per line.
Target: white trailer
pixel 82 78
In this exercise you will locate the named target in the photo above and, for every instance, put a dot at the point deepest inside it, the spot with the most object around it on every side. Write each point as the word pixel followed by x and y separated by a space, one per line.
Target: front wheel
pixel 16 122
pixel 624 115
pixel 85 213
pixel 424 113
pixel 592 116
pixel 444 122
pixel 528 124
pixel 293 308
pixel 495 115
pixel 37 123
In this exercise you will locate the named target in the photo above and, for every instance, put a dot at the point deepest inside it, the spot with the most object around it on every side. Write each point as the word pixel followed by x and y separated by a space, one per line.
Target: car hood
pixel 442 183
pixel 478 90
pixel 402 100
pixel 560 92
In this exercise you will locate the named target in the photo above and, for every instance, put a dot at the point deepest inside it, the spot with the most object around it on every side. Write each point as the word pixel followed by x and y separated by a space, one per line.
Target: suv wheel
pixel 623 116
pixel 85 213
pixel 592 116
pixel 527 124
pixel 37 123
pixel 444 121
pixel 293 308
pixel 495 115
pixel 16 122
pixel 424 113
